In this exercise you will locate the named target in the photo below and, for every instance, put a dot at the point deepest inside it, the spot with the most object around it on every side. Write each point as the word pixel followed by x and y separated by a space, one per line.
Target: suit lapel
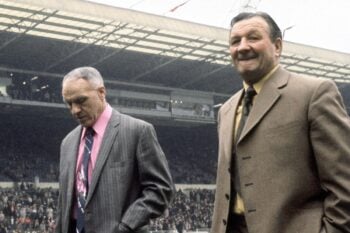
pixel 107 142
pixel 228 119
pixel 72 163
pixel 268 96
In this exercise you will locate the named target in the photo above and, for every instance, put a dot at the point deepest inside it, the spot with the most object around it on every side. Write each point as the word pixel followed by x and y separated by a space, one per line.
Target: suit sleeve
pixel 329 135
pixel 156 182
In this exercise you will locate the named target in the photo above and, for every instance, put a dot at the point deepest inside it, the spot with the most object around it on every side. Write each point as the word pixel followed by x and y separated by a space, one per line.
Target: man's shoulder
pixel 229 102
pixel 306 78
pixel 308 82
pixel 127 119
pixel 72 134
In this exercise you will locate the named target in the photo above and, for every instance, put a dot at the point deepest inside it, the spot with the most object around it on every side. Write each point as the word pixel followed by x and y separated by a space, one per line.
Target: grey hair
pixel 90 74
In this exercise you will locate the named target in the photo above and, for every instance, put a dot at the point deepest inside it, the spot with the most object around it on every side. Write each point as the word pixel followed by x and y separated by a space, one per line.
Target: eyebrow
pixel 78 100
pixel 250 32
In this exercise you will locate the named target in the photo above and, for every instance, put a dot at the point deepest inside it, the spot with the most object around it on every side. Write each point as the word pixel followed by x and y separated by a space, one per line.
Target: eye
pixel 234 41
pixel 254 37
pixel 68 103
pixel 80 100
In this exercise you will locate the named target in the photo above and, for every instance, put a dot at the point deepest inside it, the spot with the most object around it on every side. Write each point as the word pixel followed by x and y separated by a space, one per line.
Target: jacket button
pixel 227 196
pixel 224 222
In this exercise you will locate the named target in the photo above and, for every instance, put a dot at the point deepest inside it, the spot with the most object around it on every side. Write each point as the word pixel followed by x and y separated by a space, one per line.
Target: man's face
pixel 85 102
pixel 252 51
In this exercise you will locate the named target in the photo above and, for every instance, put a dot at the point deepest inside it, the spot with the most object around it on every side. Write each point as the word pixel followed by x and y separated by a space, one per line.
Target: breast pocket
pixel 121 171
pixel 287 143
pixel 288 134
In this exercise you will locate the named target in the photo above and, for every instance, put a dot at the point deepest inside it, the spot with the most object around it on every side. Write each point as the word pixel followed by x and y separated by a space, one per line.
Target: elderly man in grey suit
pixel 114 176
pixel 286 167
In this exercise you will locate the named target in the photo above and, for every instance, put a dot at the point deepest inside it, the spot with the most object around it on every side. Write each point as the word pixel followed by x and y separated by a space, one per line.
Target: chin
pixel 251 76
pixel 246 71
pixel 84 123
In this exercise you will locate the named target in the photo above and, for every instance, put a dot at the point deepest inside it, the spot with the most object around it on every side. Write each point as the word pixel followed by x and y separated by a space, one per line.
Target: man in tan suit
pixel 288 171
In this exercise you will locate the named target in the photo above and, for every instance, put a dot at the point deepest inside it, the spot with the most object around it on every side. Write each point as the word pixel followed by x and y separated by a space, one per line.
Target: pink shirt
pixel 99 128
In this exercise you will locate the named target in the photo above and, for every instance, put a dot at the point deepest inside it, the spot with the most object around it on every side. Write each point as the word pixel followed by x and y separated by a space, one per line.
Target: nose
pixel 75 108
pixel 243 45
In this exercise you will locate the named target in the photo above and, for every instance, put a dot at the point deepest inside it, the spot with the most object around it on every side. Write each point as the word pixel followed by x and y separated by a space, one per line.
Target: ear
pixel 102 93
pixel 278 47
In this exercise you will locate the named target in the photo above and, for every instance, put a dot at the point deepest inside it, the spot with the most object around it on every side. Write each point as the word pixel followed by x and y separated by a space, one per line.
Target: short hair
pixel 90 74
pixel 275 31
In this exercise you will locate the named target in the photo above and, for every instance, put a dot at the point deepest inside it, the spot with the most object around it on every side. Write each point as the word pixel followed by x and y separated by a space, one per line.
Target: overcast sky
pixel 320 23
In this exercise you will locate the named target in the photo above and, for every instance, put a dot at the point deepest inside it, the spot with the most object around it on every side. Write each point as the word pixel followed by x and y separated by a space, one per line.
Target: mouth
pixel 246 56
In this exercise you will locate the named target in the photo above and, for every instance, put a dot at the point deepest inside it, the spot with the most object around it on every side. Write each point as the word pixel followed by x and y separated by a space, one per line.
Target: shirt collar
pixel 101 122
pixel 258 85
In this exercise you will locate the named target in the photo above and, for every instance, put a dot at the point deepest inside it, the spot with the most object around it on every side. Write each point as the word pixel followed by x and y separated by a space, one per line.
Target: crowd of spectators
pixel 191 153
pixel 28 209
pixel 191 211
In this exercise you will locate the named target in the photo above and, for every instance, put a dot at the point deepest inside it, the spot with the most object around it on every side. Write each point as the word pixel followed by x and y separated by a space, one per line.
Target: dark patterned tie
pixel 246 106
pixel 83 180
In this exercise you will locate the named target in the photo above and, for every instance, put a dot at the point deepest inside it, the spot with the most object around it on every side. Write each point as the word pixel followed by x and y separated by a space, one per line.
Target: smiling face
pixel 251 49
pixel 85 102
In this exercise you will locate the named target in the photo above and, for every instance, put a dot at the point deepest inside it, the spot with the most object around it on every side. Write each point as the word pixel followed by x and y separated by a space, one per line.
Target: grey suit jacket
pixel 293 158
pixel 131 182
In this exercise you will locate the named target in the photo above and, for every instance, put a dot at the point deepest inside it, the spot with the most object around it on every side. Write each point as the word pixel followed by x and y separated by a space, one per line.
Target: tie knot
pixel 89 132
pixel 248 100
pixel 250 92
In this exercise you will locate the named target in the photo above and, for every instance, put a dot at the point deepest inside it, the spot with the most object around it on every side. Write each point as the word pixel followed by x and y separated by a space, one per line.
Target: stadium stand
pixel 31 150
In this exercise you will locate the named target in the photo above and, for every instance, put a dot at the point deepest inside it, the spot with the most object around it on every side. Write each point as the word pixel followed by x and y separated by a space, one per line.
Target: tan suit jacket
pixel 293 158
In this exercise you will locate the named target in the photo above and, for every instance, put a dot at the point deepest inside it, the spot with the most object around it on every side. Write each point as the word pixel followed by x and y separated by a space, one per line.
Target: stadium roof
pixel 130 48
